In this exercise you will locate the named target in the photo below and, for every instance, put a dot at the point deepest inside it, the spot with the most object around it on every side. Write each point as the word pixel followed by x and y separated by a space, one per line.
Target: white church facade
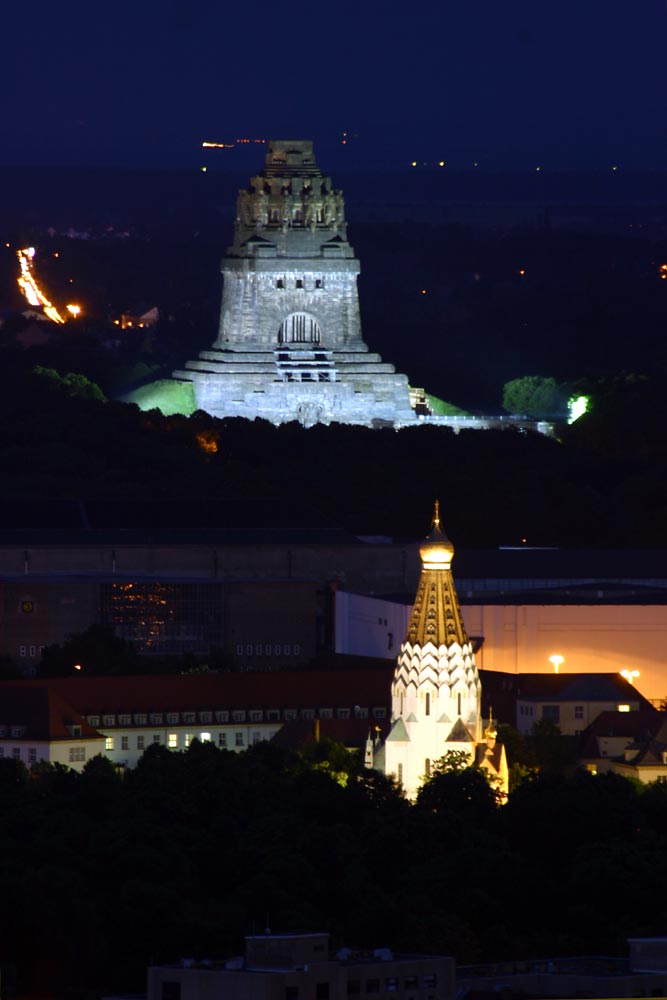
pixel 436 690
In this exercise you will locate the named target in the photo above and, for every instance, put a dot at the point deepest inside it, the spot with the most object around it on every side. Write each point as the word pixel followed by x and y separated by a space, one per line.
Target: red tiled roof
pixel 42 711
pixel 225 691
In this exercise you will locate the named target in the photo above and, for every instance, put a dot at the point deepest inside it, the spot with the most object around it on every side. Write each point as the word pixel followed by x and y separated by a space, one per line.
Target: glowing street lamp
pixel 556 659
pixel 630 675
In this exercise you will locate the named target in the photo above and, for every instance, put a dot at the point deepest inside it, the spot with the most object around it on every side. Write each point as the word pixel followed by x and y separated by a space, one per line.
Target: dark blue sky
pixel 564 83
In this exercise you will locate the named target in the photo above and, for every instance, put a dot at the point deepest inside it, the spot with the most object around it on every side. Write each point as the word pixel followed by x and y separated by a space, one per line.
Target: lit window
pixel 624 708
pixel 189 738
pixel 172 740
pixel 108 743
pixel 205 737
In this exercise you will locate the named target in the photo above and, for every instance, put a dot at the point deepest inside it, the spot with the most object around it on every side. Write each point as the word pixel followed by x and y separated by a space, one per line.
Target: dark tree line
pixel 102 873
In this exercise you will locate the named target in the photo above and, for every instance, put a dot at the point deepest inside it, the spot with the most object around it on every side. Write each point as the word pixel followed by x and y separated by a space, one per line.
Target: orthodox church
pixel 436 692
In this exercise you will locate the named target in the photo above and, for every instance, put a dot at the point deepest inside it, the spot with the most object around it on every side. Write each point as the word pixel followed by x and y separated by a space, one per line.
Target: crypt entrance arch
pixel 299 328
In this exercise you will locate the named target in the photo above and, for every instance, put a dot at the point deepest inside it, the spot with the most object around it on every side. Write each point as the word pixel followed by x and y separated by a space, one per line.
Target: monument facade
pixel 289 345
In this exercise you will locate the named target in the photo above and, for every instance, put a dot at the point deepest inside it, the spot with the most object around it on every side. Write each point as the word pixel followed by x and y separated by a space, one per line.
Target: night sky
pixel 564 83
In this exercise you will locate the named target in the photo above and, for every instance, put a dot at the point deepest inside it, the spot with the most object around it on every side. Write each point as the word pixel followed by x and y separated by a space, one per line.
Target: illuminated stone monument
pixel 436 691
pixel 289 345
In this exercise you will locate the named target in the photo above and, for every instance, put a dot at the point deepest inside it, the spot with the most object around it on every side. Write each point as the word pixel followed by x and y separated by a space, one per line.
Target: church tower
pixel 289 346
pixel 436 691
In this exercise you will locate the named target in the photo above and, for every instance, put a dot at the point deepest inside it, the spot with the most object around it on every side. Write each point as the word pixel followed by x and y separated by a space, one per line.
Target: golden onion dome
pixel 436 550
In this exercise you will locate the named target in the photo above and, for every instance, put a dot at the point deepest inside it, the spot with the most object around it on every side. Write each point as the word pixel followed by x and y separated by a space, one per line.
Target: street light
pixel 556 659
pixel 630 675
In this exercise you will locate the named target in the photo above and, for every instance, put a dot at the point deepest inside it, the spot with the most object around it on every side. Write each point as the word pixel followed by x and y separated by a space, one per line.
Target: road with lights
pixel 30 289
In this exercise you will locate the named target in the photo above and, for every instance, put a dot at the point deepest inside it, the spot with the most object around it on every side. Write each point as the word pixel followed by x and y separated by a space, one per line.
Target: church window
pixel 401 703
pixel 427 768
pixel 458 699
pixel 427 703
pixel 400 774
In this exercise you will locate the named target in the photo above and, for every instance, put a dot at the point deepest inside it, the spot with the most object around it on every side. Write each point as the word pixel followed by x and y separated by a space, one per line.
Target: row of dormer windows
pixel 236 715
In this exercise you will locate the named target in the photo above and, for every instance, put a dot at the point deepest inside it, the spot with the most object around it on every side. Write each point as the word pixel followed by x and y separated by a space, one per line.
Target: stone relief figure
pixel 309 413
pixel 340 209
pixel 260 208
pixel 244 209
pixel 330 211
pixel 287 210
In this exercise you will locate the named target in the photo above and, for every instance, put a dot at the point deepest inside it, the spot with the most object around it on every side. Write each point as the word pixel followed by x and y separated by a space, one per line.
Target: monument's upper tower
pixel 289 346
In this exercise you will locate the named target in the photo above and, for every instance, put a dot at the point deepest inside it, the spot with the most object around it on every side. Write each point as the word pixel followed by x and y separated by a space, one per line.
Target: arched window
pixel 299 328
pixel 458 697
pixel 427 768
pixel 427 703
pixel 400 774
